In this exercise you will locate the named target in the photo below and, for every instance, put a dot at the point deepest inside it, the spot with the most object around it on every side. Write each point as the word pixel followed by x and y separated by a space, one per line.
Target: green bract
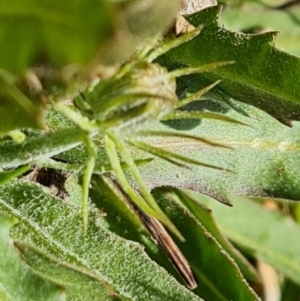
pixel 126 102
pixel 118 107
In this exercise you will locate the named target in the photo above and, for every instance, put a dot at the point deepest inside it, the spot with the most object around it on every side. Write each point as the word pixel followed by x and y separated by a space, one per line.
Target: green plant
pixel 130 128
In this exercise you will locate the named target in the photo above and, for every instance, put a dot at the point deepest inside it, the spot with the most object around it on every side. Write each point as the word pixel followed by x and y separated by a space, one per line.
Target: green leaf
pixel 261 76
pixel 269 235
pixel 204 216
pixel 53 241
pixel 209 261
pixel 80 284
pixel 60 33
pixel 45 146
pixel 121 219
pixel 265 159
pixel 7 176
pixel 201 249
pixel 17 280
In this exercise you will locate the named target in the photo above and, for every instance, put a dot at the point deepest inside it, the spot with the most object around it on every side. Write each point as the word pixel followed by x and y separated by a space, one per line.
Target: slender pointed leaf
pixel 270 236
pixel 167 154
pixel 183 136
pixel 209 261
pixel 7 176
pixel 205 216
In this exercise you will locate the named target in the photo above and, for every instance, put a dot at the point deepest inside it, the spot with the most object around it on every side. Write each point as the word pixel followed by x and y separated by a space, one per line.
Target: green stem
pixel 116 166
pixel 88 171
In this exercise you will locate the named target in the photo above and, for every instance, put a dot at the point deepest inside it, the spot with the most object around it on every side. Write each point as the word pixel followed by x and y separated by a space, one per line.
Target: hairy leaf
pixel 121 218
pixel 201 249
pixel 54 243
pixel 35 148
pixel 261 76
pixel 17 280
pixel 264 161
